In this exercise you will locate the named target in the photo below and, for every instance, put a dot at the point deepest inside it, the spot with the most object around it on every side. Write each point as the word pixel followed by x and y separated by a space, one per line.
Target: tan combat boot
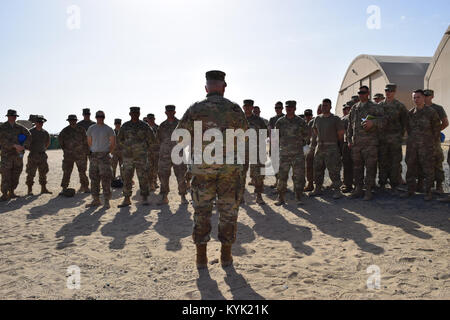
pixel 4 197
pixel 202 259
pixel 30 190
pixel 126 202
pixel 281 200
pixel 164 200
pixel 95 202
pixel 106 205
pixel 12 195
pixel 368 195
pixel 226 258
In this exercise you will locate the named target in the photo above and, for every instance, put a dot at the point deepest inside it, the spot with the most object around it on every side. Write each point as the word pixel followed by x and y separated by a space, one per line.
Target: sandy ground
pixel 321 250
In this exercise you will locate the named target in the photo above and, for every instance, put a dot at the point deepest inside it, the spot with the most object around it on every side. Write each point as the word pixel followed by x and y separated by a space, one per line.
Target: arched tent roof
pixel 443 45
pixel 376 71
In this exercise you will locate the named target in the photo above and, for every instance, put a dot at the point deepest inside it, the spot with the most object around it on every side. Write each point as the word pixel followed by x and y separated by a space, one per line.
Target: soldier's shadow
pixel 126 224
pixel 209 290
pixel 174 226
pixel 274 226
pixel 55 205
pixel 16 204
pixel 239 287
pixel 84 224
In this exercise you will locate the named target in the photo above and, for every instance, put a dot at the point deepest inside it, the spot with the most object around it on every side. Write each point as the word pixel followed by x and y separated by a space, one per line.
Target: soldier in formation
pixel 117 158
pixel 153 154
pixel 272 122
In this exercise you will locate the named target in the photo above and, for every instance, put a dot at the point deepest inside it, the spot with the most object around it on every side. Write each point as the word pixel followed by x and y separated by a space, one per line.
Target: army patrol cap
pixel 428 92
pixel 291 103
pixel 215 75
pixel 249 102
pixel 40 118
pixel 72 117
pixel 12 113
pixel 355 98
pixel 391 87
pixel 308 112
pixel 86 112
pixel 135 109
pixel 170 107
pixel 150 116
pixel 379 96
pixel 117 121
pixel 346 106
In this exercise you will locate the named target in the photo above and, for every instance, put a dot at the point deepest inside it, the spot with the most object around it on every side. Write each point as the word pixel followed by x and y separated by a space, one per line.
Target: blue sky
pixel 153 53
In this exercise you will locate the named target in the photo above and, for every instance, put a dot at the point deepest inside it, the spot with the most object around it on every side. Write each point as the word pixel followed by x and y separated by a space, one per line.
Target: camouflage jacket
pixel 293 134
pixel 164 136
pixel 9 136
pixel 345 122
pixel 85 124
pixel 396 118
pixel 155 147
pixel 116 150
pixel 256 123
pixel 356 134
pixel 73 141
pixel 423 126
pixel 274 120
pixel 134 139
pixel 215 112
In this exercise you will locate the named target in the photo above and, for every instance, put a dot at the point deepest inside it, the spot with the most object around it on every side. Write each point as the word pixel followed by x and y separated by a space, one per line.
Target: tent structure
pixel 377 71
pixel 437 77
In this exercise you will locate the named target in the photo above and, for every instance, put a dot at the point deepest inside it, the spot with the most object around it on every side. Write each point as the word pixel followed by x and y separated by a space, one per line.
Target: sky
pixel 58 57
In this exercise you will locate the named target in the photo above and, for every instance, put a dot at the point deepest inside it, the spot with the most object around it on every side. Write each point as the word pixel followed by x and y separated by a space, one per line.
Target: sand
pixel 321 250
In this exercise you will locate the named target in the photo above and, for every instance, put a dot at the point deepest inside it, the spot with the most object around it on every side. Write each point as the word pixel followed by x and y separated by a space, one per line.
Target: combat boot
pixel 30 190
pixel 259 199
pixel 63 191
pixel 84 189
pixel 281 200
pixel 126 202
pixel 226 258
pixel 145 201
pixel 346 189
pixel 4 197
pixel 12 195
pixel 95 202
pixel 298 198
pixel 368 195
pixel 357 193
pixel 106 205
pixel 202 258
pixel 317 191
pixel 183 199
pixel 164 200
pixel 44 190
pixel 309 187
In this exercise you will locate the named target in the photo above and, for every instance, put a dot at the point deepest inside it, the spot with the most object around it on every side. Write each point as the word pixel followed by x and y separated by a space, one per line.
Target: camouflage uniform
pixel 328 154
pixel 117 158
pixel 423 129
pixel 100 170
pixel 272 123
pixel 134 141
pixel 256 123
pixel 390 150
pixel 11 164
pixel 73 142
pixel 165 160
pixel 85 124
pixel 37 159
pixel 439 153
pixel 293 134
pixel 347 161
pixel 215 182
pixel 310 156
pixel 364 143
pixel 153 158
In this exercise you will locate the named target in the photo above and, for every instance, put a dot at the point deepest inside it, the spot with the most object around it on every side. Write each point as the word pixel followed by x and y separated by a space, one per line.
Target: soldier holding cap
pixel 378 98
pixel 293 133
pixel 164 135
pixel 390 149
pixel 347 162
pixel 37 159
pixel 153 154
pixel 309 118
pixel 272 121
pixel 73 142
pixel 217 183
pixel 439 156
pixel 11 163
pixel 257 124
pixel 117 157
pixel 134 141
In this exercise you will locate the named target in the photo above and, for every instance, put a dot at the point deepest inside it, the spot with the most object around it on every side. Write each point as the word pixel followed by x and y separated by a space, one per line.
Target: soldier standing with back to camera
pixel 365 120
pixel 165 164
pixel 37 159
pixel 134 141
pixel 390 150
pixel 73 142
pixel 217 182
pixel 12 151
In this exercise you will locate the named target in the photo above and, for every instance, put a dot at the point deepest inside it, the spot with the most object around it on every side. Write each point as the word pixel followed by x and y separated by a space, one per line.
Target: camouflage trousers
pixel 347 163
pixel 297 163
pixel 439 175
pixel 37 162
pixel 10 167
pixel 255 174
pixel 418 158
pixel 364 157
pixel 67 167
pixel 310 166
pixel 164 171
pixel 221 185
pixel 100 170
pixel 117 159
pixel 140 164
pixel 390 162
pixel 328 157
pixel 153 159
